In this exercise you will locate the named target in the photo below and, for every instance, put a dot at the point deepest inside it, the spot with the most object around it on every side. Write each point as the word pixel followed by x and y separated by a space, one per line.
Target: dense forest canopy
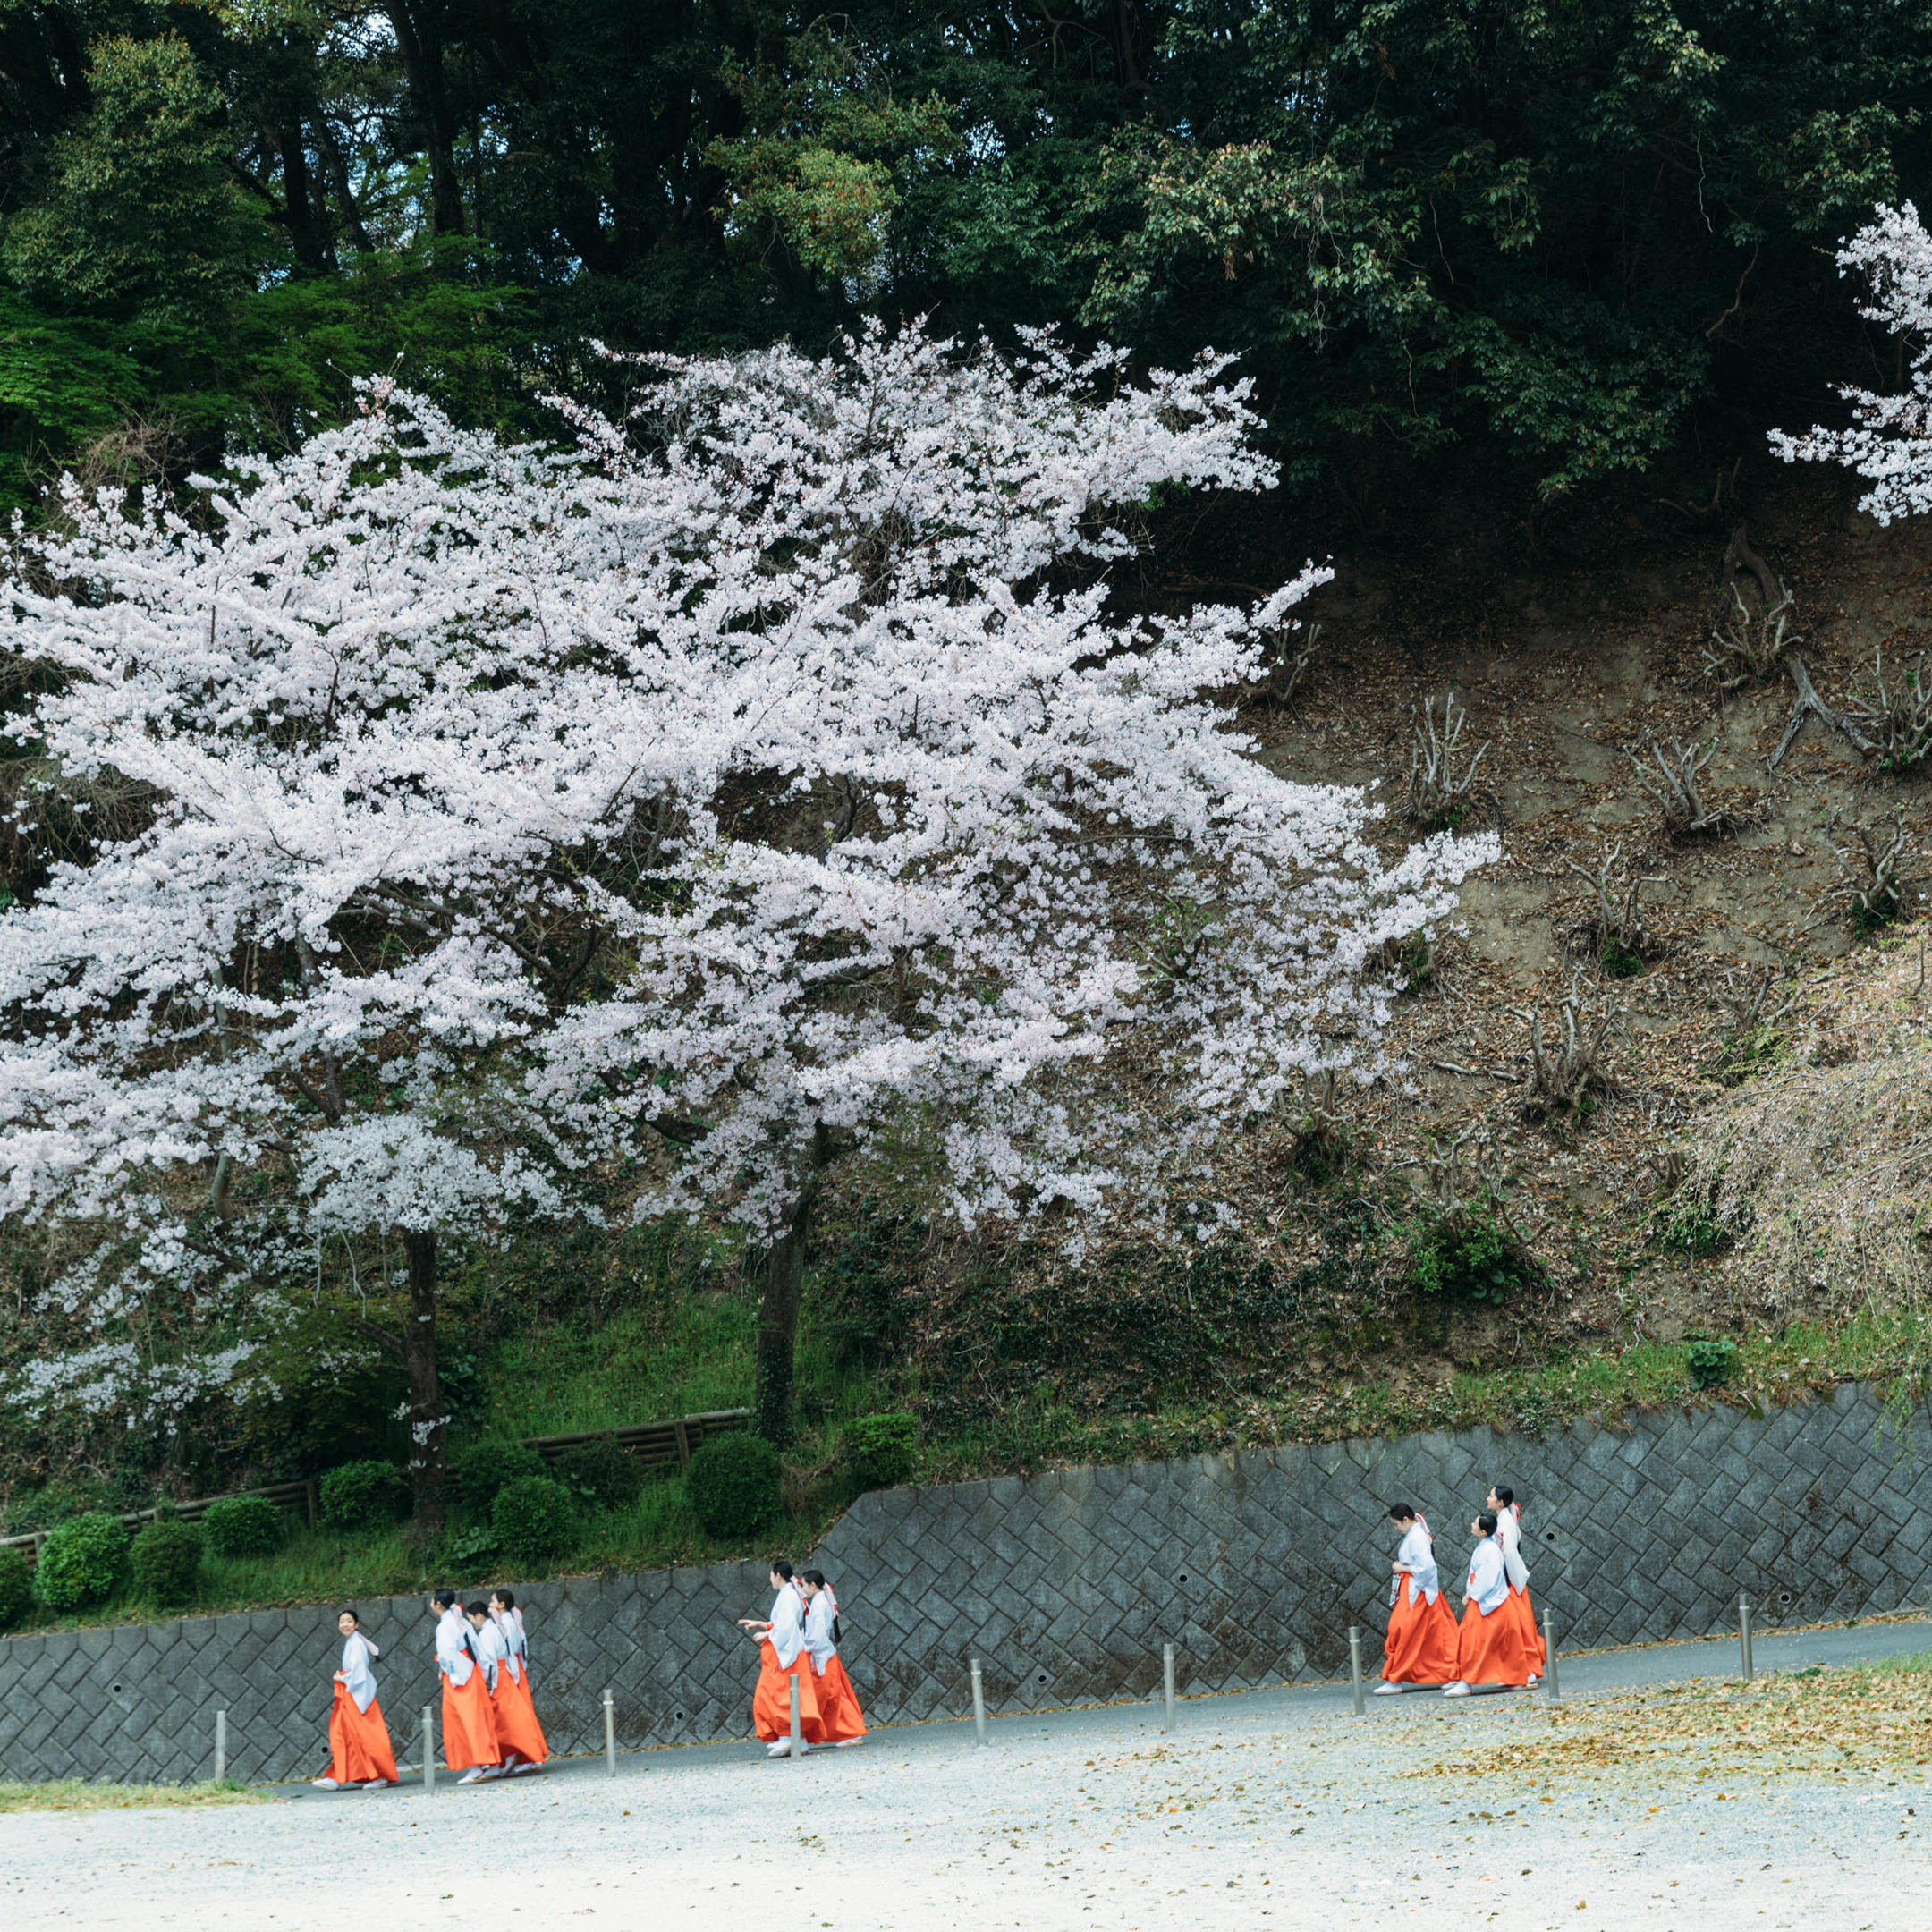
pixel 1543 233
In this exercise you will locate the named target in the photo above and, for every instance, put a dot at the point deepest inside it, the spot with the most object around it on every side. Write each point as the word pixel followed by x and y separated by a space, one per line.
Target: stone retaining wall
pixel 1066 1585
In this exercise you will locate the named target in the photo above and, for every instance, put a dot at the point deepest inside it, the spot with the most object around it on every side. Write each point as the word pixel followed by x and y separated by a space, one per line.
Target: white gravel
pixel 1277 1809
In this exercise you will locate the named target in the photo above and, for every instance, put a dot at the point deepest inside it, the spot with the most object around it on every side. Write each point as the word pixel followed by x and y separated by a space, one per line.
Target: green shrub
pixel 82 1561
pixel 602 1472
pixel 167 1561
pixel 363 1496
pixel 55 1502
pixel 1469 1258
pixel 484 1467
pixel 1712 1359
pixel 243 1526
pixel 533 1518
pixel 732 1484
pixel 16 1587
pixel 882 1449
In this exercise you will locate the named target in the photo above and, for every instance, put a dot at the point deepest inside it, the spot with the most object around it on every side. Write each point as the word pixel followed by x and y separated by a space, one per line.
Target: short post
pixel 798 1729
pixel 221 1745
pixel 979 1690
pixel 1166 1660
pixel 1354 1665
pixel 610 1730
pixel 1744 1634
pixel 428 1749
pixel 1549 1653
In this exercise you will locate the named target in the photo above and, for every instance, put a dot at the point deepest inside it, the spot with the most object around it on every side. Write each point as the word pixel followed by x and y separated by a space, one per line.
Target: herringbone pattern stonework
pixel 1065 1586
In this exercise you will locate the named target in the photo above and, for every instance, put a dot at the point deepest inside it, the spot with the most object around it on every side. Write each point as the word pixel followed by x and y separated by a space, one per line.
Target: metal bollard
pixel 610 1730
pixel 221 1745
pixel 1549 1656
pixel 1354 1666
pixel 1744 1634
pixel 979 1690
pixel 428 1747
pixel 798 1729
pixel 1167 1656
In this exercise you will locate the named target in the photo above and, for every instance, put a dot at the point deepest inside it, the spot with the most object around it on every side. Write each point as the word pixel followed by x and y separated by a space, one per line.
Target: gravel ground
pixel 1277 1809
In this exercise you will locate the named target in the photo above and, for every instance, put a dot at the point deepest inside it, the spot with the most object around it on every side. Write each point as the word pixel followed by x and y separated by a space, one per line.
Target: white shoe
pixel 1389 1690
pixel 1456 1689
pixel 325 1784
pixel 476 1773
pixel 848 1744
pixel 525 1766
pixel 779 1748
pixel 376 1784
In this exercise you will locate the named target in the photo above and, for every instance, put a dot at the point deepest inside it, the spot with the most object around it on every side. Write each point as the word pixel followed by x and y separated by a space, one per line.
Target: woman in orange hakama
pixel 781 1643
pixel 1420 1647
pixel 1489 1651
pixel 511 1702
pixel 359 1751
pixel 469 1730
pixel 1503 1505
pixel 838 1702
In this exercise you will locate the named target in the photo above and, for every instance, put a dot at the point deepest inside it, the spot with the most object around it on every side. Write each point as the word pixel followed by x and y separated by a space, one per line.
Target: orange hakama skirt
pixel 469 1727
pixel 359 1748
pixel 515 1714
pixel 771 1702
pixel 1489 1648
pixel 1420 1647
pixel 838 1705
pixel 1520 1607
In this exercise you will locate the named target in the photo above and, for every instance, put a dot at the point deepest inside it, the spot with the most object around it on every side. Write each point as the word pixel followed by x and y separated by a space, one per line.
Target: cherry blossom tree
pixel 1890 439
pixel 708 796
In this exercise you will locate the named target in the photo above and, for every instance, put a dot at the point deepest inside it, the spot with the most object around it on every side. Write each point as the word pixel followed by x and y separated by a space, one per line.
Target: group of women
pixel 798 1644
pixel 1496 1646
pixel 489 1720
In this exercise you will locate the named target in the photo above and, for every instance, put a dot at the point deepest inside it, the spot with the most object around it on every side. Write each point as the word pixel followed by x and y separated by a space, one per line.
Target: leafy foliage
pixel 1712 1359
pixel 83 1561
pixel 243 1526
pixel 16 1587
pixel 485 1468
pixel 532 1518
pixel 1471 1257
pixel 882 1450
pixel 732 1484
pixel 166 1562
pixel 603 1472
pixel 362 1496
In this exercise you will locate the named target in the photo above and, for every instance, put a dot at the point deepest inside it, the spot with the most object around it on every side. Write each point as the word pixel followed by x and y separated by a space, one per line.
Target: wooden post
pixel 1354 1665
pixel 979 1690
pixel 1549 1653
pixel 610 1732
pixel 1167 1653
pixel 684 1442
pixel 798 1729
pixel 221 1745
pixel 428 1749
pixel 314 1502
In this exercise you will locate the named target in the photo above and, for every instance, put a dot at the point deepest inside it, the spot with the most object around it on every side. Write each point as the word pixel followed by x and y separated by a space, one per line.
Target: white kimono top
pixel 819 1617
pixel 1417 1557
pixel 1509 1534
pixel 455 1657
pixel 491 1651
pixel 358 1679
pixel 787 1631
pixel 1488 1584
pixel 508 1625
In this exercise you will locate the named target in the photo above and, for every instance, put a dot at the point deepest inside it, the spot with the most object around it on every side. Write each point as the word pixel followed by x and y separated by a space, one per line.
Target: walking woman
pixel 1421 1644
pixel 1508 1513
pixel 838 1702
pixel 780 1642
pixel 511 1704
pixel 469 1732
pixel 359 1751
pixel 1490 1654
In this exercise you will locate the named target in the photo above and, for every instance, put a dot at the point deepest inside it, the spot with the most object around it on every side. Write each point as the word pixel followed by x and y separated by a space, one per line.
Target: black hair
pixel 1503 1493
pixel 1401 1513
pixel 352 1613
pixel 781 1568
pixel 1485 1522
pixel 505 1598
pixel 475 1609
pixel 444 1598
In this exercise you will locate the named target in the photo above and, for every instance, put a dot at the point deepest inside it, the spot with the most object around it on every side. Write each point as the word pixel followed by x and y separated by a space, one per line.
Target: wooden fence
pixel 653 1444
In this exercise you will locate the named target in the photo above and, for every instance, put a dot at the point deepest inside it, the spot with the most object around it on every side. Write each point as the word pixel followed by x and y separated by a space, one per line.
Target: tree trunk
pixel 778 1314
pixel 426 1418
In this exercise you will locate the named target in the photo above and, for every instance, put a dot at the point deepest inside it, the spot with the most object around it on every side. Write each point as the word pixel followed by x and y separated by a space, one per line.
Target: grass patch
pixel 1860 1721
pixel 70 1794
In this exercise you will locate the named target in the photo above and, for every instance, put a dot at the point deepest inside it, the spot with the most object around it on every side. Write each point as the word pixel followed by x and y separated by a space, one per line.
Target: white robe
pixel 1488 1583
pixel 358 1679
pixel 1417 1557
pixel 508 1624
pixel 491 1650
pixel 1509 1534
pixel 455 1657
pixel 820 1618
pixel 787 1631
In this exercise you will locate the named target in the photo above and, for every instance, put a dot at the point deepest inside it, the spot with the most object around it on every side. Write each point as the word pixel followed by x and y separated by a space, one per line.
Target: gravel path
pixel 1279 1809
